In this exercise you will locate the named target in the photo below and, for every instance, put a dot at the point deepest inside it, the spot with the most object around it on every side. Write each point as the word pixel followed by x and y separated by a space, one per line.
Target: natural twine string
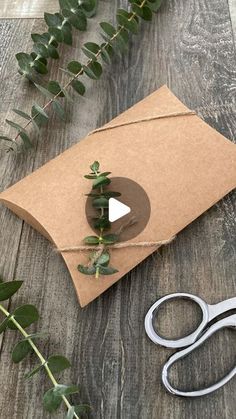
pixel 124 245
pixel 120 245
pixel 146 119
pixel 202 109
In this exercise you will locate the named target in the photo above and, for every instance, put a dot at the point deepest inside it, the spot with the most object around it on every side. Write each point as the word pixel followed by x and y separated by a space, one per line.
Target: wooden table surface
pixel 190 46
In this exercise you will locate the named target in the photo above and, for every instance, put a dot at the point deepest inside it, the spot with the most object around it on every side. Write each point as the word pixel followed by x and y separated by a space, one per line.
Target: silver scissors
pixel 192 341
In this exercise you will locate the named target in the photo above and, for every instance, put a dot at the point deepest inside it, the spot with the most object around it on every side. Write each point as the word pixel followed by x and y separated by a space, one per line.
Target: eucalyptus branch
pixel 100 257
pixel 73 13
pixel 116 40
pixel 21 318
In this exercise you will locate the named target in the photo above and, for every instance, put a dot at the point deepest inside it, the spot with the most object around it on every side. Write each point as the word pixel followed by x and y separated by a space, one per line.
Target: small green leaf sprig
pixel 100 258
pixel 115 41
pixel 21 318
pixel 73 14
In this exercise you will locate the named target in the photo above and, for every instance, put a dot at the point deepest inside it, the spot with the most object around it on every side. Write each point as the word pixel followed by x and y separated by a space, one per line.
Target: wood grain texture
pixel 232 9
pixel 189 46
pixel 27 8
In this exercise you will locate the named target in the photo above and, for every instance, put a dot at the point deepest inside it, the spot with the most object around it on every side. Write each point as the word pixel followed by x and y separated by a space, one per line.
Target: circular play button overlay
pixel 126 211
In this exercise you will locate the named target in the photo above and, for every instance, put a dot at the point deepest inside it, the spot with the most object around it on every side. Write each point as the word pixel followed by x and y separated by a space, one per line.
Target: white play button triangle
pixel 117 210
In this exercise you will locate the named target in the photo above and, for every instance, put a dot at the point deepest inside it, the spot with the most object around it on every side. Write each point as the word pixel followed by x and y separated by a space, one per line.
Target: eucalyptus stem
pixel 37 352
pixel 101 228
pixel 80 72
pixel 99 258
pixel 72 14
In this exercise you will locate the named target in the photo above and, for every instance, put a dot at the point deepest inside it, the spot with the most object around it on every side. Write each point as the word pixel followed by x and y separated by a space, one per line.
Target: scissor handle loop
pixel 229 321
pixel 175 343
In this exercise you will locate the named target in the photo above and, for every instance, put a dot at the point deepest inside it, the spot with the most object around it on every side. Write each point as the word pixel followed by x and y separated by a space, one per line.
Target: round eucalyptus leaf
pixel 13 124
pixel 67 35
pixel 20 351
pixel 44 91
pixel 147 13
pixel 58 109
pixel 55 88
pixel 34 371
pixel 105 173
pixel 90 49
pixel 64 4
pixel 56 33
pixel 67 72
pixel 125 35
pixel 40 67
pixel 74 66
pixel 26 140
pixel 154 5
pixel 108 28
pixel 104 54
pixel 93 70
pixel 87 270
pixel 4 325
pixel 24 58
pixel 78 20
pixel 102 222
pixel 78 86
pixel 40 49
pixel 89 7
pixel 41 111
pixel 42 38
pixel 41 59
pixel 103 259
pixel 25 62
pixel 82 409
pixel 63 390
pixel 120 43
pixel 51 401
pixel 95 166
pixel 74 5
pixel 25 315
pixel 143 12
pixel 107 270
pixel 110 238
pixel 52 52
pixel 123 19
pixel 100 203
pixel 101 181
pixel 53 19
pixel 91 240
pixel 58 363
pixel 91 177
pixel 89 54
pixel 39 115
pixel 22 114
pixel 92 46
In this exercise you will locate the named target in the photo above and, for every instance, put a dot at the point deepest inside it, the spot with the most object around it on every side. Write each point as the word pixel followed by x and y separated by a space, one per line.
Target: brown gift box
pixel 183 164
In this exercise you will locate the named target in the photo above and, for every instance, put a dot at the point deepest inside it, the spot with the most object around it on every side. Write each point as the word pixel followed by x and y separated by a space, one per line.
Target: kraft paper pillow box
pixel 183 164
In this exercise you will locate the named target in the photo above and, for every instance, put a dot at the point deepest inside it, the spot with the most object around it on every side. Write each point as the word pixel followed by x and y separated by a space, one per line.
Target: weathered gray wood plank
pixel 189 46
pixel 27 8
pixel 232 9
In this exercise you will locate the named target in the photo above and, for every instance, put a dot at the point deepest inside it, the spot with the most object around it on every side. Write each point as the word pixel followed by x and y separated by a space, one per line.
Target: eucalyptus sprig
pixel 73 14
pixel 100 258
pixel 21 318
pixel 116 40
